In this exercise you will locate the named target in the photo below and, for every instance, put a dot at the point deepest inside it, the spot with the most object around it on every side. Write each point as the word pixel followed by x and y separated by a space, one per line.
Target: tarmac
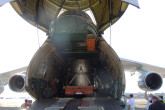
pixel 107 104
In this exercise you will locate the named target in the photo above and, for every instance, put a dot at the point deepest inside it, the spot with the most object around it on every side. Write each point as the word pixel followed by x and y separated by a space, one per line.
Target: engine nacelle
pixel 150 81
pixel 17 83
pixel 1 87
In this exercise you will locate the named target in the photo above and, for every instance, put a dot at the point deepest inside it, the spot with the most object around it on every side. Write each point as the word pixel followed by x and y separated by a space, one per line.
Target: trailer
pixel 79 90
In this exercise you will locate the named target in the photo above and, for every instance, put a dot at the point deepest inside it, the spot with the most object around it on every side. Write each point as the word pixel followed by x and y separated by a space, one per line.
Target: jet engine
pixel 17 83
pixel 150 81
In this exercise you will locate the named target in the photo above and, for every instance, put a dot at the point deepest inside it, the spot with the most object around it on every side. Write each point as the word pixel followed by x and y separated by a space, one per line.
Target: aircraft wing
pixel 132 66
pixel 4 77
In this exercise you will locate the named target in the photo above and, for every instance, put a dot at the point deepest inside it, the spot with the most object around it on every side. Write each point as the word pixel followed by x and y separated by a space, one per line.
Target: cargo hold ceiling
pixel 43 12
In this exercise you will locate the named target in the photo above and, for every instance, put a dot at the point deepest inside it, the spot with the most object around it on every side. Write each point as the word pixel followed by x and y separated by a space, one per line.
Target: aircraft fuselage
pixel 74 54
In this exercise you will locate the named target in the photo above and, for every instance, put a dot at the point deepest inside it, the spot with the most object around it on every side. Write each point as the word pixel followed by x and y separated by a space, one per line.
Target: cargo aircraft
pixel 75 59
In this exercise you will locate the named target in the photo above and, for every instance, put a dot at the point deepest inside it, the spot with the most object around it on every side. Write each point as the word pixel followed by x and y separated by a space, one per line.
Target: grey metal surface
pixel 77 104
pixel 132 2
pixel 9 108
pixel 132 66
